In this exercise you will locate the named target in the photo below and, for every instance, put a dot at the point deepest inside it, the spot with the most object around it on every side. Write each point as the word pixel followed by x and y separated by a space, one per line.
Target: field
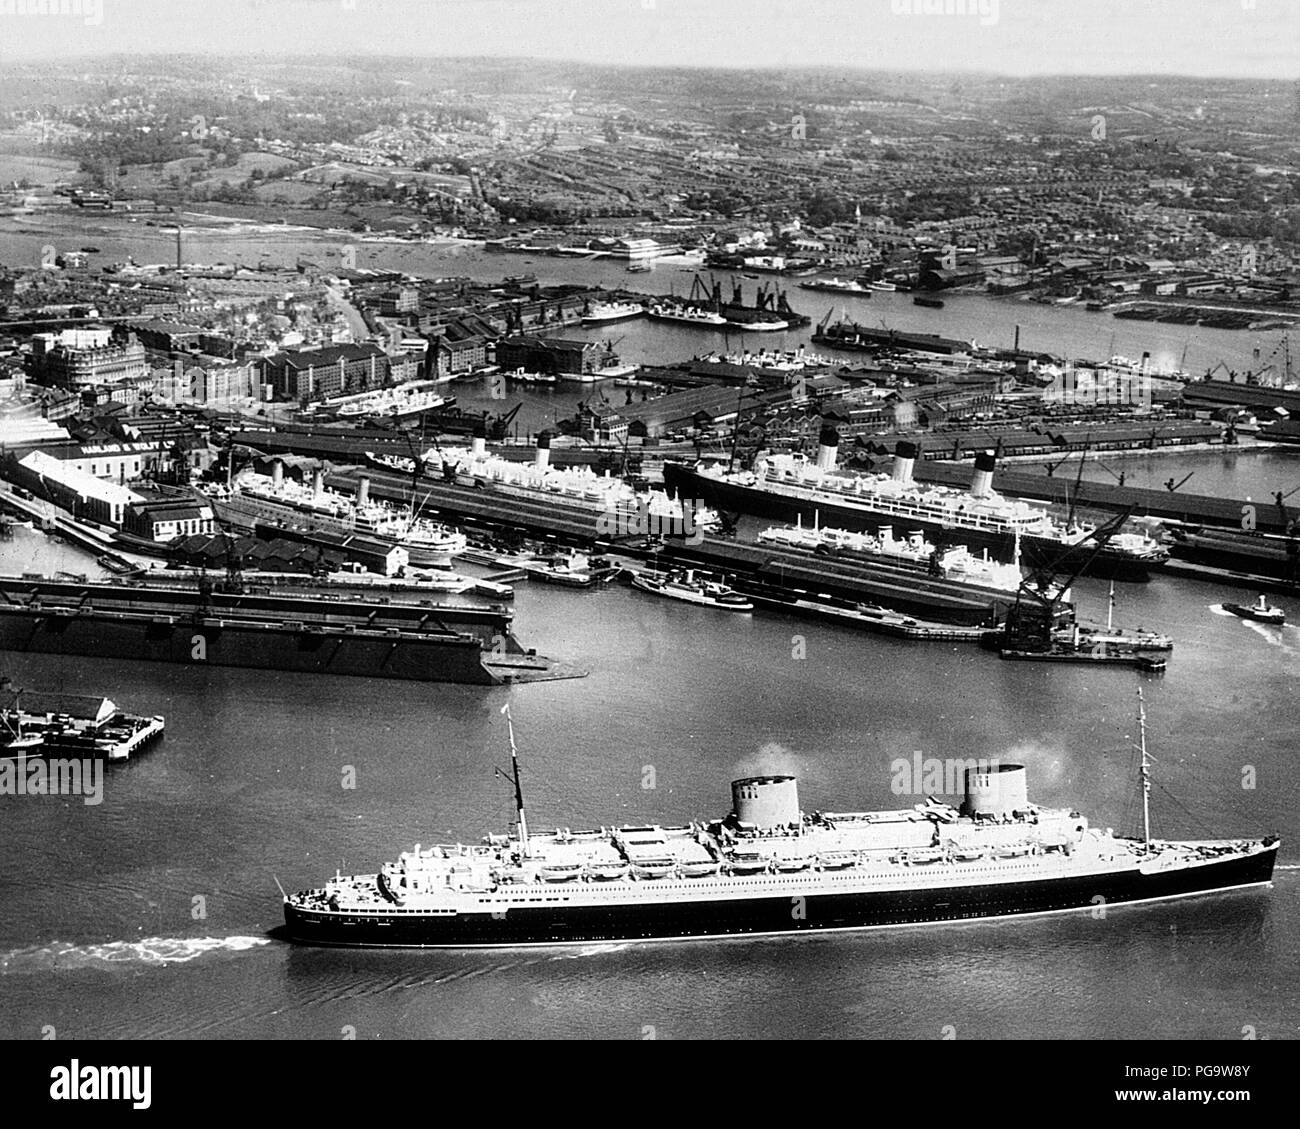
pixel 20 159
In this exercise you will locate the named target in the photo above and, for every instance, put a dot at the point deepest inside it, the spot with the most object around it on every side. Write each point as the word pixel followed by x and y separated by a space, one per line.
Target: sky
pixel 1205 38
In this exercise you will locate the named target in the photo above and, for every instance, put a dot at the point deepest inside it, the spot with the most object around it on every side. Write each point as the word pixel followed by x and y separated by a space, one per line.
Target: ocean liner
pixel 769 868
pixel 575 489
pixel 275 500
pixel 791 486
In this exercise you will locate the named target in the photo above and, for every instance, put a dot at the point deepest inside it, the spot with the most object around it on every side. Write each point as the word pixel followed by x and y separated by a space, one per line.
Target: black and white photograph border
pixel 650 519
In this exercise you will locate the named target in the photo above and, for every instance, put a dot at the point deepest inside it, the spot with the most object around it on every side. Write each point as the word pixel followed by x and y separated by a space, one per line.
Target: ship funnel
pixel 981 483
pixel 994 789
pixel 277 473
pixel 318 482
pixel 363 491
pixel 478 447
pixel 543 457
pixel 904 459
pixel 827 448
pixel 766 802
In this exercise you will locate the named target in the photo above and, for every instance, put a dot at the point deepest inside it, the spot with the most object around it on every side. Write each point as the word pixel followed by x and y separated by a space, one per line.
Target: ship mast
pixel 522 822
pixel 1145 771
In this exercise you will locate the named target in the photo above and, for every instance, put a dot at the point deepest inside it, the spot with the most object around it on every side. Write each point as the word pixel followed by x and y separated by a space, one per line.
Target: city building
pixel 548 355
pixel 313 374
pixel 77 358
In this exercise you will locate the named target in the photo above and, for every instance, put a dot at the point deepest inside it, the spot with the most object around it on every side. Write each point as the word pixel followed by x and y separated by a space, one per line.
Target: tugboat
pixel 1261 611
pixel 693 588
pixel 997 856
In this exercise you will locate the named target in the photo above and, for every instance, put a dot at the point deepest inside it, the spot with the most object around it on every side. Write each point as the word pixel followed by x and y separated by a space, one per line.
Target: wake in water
pixel 64 956
pixel 598 949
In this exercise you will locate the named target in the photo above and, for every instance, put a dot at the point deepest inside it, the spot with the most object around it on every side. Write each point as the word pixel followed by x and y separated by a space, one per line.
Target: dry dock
pixel 320 632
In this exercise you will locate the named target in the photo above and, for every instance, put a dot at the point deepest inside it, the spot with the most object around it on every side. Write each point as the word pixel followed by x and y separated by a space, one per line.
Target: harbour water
pixel 152 914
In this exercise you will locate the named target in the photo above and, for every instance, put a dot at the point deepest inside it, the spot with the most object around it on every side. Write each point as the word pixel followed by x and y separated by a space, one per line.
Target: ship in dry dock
pixel 769 868
pixel 790 486
pixel 255 499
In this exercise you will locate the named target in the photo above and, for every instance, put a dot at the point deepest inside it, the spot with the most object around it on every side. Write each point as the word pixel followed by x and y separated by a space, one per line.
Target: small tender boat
pixel 792 865
pixel 607 871
pixel 654 868
pixel 748 864
pixel 1261 611
pixel 699 869
pixel 686 585
pixel 840 860
pixel 560 872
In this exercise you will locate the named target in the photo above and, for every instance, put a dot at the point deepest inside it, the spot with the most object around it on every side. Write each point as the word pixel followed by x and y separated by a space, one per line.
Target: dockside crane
pixel 1041 607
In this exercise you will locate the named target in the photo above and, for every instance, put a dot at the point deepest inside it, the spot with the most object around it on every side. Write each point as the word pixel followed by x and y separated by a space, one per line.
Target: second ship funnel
pixel 766 802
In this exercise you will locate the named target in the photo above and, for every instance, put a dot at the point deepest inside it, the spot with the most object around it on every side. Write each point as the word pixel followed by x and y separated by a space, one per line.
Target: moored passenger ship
pixel 769 868
pixel 793 487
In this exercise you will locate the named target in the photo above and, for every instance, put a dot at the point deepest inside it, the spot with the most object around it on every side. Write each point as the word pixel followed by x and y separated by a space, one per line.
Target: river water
pixel 1068 331
pixel 150 914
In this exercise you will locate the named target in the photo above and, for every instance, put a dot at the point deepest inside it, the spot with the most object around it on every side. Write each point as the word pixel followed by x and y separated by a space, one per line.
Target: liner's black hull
pixel 1107 563
pixel 559 923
